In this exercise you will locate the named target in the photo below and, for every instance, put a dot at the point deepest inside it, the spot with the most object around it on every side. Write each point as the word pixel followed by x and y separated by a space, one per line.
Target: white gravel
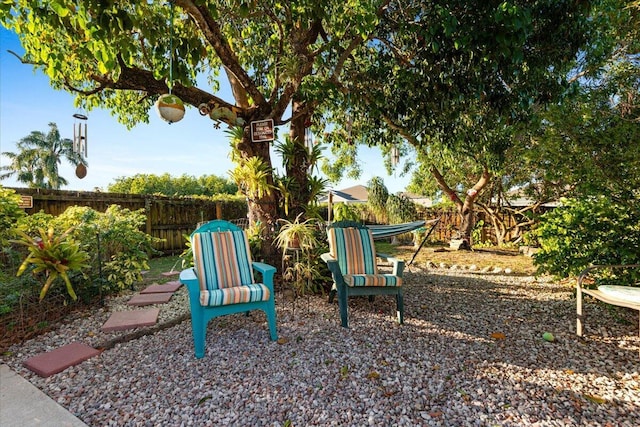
pixel 448 365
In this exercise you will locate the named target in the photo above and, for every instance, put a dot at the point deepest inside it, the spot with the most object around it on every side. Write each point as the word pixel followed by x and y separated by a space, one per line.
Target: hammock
pixel 384 231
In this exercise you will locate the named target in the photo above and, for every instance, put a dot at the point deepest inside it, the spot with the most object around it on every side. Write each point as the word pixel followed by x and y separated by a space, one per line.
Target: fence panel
pixel 167 218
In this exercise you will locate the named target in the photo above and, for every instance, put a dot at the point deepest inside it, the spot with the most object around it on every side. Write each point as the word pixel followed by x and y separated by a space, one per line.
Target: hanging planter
pixel 170 108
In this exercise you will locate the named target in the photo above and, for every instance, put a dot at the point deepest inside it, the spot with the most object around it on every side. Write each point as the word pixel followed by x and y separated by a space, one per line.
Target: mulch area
pixel 33 318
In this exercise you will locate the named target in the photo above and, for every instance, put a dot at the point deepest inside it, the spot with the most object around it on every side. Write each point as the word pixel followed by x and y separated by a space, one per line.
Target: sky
pixel 192 146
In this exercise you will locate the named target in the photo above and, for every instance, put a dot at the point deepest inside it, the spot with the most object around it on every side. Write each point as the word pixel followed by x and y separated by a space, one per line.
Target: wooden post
pixel 147 209
pixel 218 210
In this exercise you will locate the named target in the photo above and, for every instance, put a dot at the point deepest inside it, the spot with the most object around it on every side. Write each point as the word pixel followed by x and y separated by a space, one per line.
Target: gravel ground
pixel 470 353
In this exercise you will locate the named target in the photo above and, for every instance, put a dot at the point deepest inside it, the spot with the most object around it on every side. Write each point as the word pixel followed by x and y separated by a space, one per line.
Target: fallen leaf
pixel 595 399
pixel 204 399
pixel 282 340
pixel 373 375
pixel 435 414
pixel 498 336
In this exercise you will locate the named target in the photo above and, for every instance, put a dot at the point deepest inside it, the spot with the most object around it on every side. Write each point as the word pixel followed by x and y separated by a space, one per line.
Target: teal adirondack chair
pixel 222 281
pixel 352 262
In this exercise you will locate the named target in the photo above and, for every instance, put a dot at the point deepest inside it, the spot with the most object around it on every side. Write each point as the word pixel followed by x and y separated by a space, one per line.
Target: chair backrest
pixel 353 248
pixel 222 259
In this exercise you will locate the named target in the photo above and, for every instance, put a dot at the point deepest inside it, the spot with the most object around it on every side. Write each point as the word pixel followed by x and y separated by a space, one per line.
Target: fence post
pixel 147 209
pixel 218 210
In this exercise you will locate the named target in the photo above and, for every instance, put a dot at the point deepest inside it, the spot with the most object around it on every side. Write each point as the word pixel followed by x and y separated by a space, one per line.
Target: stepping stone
pixel 122 320
pixel 52 362
pixel 170 273
pixel 148 299
pixel 159 289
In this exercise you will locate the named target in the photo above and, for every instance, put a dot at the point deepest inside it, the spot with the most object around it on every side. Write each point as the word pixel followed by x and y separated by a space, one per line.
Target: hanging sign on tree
pixel 262 130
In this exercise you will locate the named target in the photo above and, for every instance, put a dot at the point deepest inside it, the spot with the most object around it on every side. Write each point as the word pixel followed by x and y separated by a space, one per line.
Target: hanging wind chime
pixel 80 142
pixel 170 108
pixel 395 155
pixel 308 135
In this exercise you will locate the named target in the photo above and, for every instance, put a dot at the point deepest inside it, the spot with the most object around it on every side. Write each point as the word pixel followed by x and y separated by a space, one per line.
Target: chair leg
pixel 199 331
pixel 343 305
pixel 579 323
pixel 400 307
pixel 270 311
pixel 332 293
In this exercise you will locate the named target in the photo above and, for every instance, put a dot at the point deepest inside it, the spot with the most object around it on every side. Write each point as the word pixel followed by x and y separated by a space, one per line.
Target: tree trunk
pixel 298 167
pixel 262 210
pixel 466 208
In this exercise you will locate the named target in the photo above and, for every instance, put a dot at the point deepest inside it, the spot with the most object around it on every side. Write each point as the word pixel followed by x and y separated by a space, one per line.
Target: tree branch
pixel 213 34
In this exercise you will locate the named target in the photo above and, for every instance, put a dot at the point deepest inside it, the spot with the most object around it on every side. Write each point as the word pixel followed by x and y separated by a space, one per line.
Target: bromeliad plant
pixel 54 255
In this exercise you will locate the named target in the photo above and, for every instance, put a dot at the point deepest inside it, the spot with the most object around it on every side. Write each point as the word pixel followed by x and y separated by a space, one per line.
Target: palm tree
pixel 36 163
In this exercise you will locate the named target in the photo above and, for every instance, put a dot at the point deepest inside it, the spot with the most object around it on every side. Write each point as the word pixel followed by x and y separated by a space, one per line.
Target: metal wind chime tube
pixel 395 155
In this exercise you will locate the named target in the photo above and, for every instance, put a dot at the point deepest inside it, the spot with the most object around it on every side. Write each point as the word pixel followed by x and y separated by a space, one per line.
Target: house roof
pixel 355 194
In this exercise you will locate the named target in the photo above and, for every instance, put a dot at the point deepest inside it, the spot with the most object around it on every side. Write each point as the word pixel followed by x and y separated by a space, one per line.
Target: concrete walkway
pixel 23 405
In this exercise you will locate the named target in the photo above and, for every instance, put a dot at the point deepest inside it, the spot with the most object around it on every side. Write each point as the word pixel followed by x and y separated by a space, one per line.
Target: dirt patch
pixel 481 258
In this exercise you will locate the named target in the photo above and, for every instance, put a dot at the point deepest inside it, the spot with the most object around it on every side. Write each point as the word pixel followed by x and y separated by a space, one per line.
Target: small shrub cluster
pixel 92 253
pixel 593 231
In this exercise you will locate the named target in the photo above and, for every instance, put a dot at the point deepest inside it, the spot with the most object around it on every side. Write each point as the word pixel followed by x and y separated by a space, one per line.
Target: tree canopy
pixel 167 185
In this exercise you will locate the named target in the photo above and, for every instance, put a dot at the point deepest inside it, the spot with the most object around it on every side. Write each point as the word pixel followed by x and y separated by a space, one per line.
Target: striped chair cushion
pixel 235 295
pixel 372 280
pixel 222 260
pixel 354 250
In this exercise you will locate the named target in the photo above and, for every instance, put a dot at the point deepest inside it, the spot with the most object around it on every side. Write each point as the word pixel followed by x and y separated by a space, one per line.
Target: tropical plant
pixel 377 198
pixel 301 268
pixel 400 209
pixel 253 176
pixel 297 234
pixel 54 255
pixel 36 162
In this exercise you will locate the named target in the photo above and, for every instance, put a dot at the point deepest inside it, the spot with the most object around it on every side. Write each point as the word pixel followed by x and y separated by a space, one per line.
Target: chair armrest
pixel 326 257
pixel 398 264
pixel 189 278
pixel 267 271
pixel 585 273
pixel 334 267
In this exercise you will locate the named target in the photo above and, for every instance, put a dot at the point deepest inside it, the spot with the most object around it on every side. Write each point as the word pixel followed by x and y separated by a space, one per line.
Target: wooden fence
pixel 167 218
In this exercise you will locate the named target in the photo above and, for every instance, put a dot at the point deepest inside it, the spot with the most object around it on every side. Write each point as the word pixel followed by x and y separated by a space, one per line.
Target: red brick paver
pixel 159 289
pixel 54 361
pixel 148 299
pixel 122 320
pixel 170 273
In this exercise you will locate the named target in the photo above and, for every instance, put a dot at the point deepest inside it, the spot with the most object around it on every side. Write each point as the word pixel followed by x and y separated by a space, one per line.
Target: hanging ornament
pixel 81 171
pixel 395 155
pixel 170 108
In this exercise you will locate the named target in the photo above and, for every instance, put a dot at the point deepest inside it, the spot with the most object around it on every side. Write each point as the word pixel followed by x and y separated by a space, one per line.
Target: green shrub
pixel 118 247
pixel 10 214
pixel 345 212
pixel 580 233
